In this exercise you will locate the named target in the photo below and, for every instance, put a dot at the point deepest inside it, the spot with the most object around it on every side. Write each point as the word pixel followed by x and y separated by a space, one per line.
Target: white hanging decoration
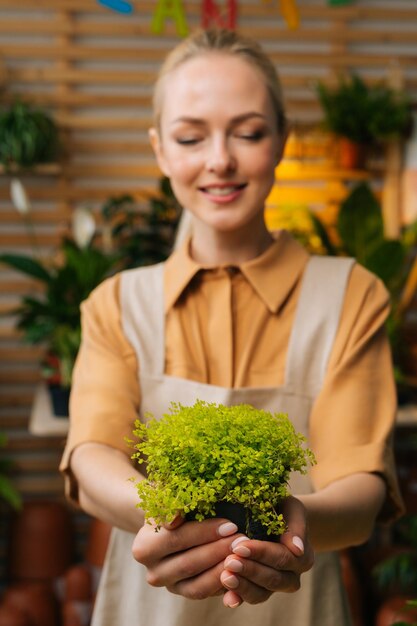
pixel 83 226
pixel 20 197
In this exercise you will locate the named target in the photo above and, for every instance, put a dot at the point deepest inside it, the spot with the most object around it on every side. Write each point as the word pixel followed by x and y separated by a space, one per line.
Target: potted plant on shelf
pixel 52 316
pixel 362 116
pixel 203 458
pixel 28 136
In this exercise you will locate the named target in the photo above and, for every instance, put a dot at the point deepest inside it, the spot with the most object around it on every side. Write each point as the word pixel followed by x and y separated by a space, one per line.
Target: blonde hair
pixel 229 42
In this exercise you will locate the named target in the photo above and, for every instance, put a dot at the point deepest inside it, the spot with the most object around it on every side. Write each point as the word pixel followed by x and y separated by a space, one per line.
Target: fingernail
pixel 238 540
pixel 226 529
pixel 234 606
pixel 234 565
pixel 298 542
pixel 231 582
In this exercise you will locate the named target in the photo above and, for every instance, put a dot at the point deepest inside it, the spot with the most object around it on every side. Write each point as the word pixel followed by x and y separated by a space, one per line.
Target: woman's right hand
pixel 186 558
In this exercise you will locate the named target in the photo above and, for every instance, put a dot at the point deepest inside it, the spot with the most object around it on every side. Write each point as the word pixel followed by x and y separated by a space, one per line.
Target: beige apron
pixel 124 597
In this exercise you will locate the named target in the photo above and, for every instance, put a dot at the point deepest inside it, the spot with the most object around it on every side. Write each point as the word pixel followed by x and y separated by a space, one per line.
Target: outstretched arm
pixel 105 489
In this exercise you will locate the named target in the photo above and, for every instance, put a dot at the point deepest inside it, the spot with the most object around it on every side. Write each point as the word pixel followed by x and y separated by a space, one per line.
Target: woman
pixel 233 316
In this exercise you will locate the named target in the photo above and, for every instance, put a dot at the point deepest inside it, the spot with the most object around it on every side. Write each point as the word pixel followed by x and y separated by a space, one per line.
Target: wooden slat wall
pixel 93 69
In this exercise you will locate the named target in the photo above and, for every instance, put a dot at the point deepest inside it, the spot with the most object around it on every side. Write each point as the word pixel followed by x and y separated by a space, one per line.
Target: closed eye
pixel 187 141
pixel 256 136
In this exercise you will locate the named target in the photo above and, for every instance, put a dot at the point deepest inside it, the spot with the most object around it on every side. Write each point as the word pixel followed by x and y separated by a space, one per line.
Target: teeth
pixel 221 191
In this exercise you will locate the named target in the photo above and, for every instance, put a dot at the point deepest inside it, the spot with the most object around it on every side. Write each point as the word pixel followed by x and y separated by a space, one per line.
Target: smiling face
pixel 218 141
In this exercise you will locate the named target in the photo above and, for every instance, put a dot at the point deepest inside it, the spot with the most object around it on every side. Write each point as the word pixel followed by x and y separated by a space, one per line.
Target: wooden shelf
pixel 45 169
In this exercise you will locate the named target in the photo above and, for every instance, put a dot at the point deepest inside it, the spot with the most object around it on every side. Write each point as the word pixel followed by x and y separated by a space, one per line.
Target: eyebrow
pixel 235 120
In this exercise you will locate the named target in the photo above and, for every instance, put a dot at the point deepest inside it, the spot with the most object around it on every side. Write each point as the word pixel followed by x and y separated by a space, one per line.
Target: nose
pixel 220 159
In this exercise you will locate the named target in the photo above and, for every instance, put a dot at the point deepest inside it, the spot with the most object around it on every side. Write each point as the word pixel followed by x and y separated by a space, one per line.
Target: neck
pixel 210 247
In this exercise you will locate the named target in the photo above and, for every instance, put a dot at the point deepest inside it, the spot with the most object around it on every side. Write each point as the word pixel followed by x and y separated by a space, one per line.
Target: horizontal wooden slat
pixel 16 399
pixel 24 354
pixel 39 465
pixel 23 377
pixel 14 422
pixel 32 444
pixel 130 29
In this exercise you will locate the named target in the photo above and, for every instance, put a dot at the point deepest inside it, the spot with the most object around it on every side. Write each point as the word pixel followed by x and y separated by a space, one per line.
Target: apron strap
pixel 316 322
pixel 142 306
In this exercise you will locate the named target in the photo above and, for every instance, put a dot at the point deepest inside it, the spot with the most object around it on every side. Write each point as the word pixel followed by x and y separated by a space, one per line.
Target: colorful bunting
pixel 290 13
pixel 172 9
pixel 212 14
pixel 117 5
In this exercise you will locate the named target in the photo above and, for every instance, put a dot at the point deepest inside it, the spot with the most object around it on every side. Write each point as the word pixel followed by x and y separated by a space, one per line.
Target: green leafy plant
pixel 411 604
pixel 399 572
pixel 8 493
pixel 129 239
pixel 27 136
pixel 360 234
pixel 365 114
pixel 141 237
pixel 52 317
pixel 203 454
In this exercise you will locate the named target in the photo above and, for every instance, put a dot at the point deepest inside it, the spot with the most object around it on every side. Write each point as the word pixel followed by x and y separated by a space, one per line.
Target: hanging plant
pixel 28 136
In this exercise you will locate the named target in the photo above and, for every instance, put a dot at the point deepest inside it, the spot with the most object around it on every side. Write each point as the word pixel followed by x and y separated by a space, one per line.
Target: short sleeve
pixel 353 417
pixel 105 390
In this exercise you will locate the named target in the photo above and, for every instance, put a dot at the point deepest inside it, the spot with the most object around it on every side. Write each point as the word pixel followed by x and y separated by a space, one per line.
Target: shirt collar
pixel 272 275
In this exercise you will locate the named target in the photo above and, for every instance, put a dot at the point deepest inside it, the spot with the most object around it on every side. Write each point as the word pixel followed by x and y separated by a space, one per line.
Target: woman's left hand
pixel 257 569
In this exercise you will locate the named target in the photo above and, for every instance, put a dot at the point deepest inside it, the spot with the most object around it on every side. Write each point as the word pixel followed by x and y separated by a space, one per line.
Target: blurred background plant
pixel 357 230
pixel 122 237
pixel 363 116
pixel 28 136
pixel 8 493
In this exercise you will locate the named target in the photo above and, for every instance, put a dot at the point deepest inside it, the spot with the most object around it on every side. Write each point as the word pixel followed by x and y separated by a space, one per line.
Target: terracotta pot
pixel 35 600
pixel 76 613
pixel 41 544
pixel 12 616
pixel 78 583
pixel 352 155
pixel 395 610
pixel 97 542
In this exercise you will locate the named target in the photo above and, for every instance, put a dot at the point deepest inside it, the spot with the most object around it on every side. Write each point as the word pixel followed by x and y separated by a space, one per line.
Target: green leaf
pixel 360 223
pixel 27 266
pixel 322 233
pixel 9 493
pixel 387 260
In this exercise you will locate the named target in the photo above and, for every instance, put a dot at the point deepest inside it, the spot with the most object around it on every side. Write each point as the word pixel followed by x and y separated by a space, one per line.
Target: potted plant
pixel 362 116
pixel 359 232
pixel 27 136
pixel 203 457
pixel 141 237
pixel 396 577
pixel 52 317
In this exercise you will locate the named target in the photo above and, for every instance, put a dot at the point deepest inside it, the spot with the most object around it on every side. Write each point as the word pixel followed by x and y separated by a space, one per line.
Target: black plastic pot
pixel 60 400
pixel 242 517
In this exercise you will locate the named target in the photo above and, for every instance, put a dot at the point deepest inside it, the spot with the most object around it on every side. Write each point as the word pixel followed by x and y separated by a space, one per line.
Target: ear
pixel 156 143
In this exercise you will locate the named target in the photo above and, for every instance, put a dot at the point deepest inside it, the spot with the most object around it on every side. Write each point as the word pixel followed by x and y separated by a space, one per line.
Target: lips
pixel 222 190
